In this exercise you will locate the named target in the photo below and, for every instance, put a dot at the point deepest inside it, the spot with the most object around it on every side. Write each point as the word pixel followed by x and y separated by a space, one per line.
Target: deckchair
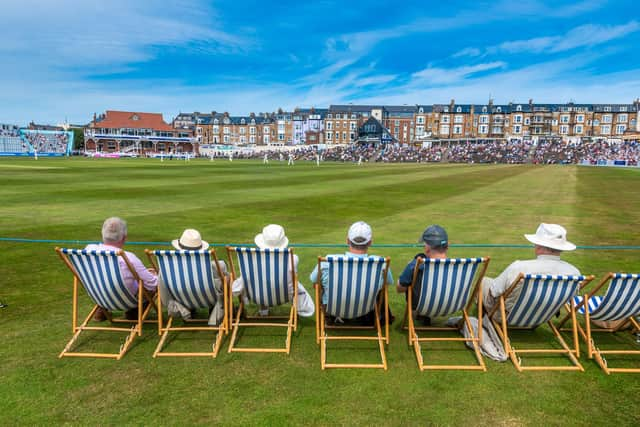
pixel 266 274
pixel 356 286
pixel 621 302
pixel 99 273
pixel 541 297
pixel 188 278
pixel 446 287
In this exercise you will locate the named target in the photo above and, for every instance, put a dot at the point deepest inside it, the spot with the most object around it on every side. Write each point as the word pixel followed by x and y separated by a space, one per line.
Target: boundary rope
pixel 322 245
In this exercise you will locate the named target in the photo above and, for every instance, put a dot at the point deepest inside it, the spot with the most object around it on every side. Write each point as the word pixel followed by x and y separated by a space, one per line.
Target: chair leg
pixel 163 338
pixel 235 327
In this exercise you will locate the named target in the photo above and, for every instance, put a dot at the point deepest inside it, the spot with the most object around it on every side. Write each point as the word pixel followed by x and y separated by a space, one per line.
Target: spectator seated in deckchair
pixel 352 287
pixel 616 310
pixel 100 274
pixel 268 278
pixel 191 278
pixel 539 298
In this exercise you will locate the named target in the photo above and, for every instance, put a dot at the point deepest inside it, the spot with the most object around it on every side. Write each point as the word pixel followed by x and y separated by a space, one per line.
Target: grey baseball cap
pixel 435 236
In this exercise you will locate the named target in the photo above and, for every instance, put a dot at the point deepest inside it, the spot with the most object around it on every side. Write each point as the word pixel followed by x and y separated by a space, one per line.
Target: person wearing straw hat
pixel 114 235
pixel 274 237
pixel 191 240
pixel 549 240
pixel 359 239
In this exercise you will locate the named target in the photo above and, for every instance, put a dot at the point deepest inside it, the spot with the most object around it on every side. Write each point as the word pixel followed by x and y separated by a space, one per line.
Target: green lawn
pixel 230 203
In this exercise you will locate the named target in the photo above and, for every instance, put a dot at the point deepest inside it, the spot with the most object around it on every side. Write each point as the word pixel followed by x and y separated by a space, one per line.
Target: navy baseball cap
pixel 435 236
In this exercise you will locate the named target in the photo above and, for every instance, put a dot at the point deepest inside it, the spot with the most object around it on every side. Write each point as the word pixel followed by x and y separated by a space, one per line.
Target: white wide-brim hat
pixel 190 241
pixel 552 236
pixel 272 237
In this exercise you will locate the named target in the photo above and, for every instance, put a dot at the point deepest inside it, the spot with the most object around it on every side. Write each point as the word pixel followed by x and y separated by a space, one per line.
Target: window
pixel 421 110
pixel 344 136
pixel 329 125
pixel 252 139
pixel 419 130
pixel 266 130
pixel 580 118
pixel 605 130
pixel 484 109
pixel 564 119
pixel 497 129
pixel 280 127
pixel 577 129
pixel 483 129
pixel 243 131
pixel 266 139
pixel 517 118
pixel 281 137
pixel 252 130
pixel 352 126
pixel 623 108
pixel 216 129
pixel 606 118
pixel 519 108
pixel 352 136
pixel 459 110
pixel 226 139
pixel 445 119
pixel 329 134
pixel 499 109
pixel 457 129
pixel 620 129
pixel 444 130
pixel 337 136
pixel 517 129
pixel 458 119
pixel 564 130
pixel 527 121
pixel 622 118
pixel 225 130
pixel 484 119
pixel 396 122
pixel 420 120
pixel 607 108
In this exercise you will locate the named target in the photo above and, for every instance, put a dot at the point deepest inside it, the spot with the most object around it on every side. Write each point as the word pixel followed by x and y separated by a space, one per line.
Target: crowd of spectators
pixel 48 142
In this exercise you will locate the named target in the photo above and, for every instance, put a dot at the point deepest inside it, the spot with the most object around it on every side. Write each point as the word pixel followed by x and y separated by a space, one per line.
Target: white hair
pixel 114 230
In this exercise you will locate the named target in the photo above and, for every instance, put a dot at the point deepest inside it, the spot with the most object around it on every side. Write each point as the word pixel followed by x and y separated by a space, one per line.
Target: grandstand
pixel 25 142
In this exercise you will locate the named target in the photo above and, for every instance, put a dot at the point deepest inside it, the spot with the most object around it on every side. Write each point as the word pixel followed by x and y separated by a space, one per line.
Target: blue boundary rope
pixel 318 245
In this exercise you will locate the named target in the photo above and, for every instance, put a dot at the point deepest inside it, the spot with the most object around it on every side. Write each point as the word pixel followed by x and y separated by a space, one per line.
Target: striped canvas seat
pixel 619 306
pixel 446 286
pixel 267 274
pixel 98 271
pixel 188 278
pixel 621 301
pixel 354 284
pixel 100 275
pixel 542 296
pixel 539 298
pixel 355 287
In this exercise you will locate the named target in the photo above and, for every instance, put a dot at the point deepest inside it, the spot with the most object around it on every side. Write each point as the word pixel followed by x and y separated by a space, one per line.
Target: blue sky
pixel 66 59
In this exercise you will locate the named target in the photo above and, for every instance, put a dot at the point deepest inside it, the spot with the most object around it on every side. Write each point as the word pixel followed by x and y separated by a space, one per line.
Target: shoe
pixel 100 315
pixel 132 314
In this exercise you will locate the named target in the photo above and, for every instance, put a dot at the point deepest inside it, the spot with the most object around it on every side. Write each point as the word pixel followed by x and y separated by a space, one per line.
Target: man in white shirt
pixel 550 241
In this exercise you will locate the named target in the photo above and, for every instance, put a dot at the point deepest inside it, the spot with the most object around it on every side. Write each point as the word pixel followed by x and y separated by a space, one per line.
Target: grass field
pixel 230 203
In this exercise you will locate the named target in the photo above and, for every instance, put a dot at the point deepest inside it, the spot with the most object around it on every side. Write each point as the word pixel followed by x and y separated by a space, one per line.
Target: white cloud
pixel 438 76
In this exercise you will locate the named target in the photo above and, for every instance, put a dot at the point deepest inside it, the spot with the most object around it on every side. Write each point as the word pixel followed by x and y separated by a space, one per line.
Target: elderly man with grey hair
pixel 114 235
pixel 550 240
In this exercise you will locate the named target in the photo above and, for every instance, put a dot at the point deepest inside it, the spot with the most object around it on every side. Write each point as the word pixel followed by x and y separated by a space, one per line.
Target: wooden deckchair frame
pixel 262 321
pixel 135 330
pixel 382 338
pixel 412 329
pixel 592 349
pixel 221 330
pixel 573 353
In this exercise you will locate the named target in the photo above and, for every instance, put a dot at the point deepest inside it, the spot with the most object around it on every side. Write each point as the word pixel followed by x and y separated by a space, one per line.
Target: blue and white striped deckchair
pixel 99 273
pixel 267 274
pixel 354 288
pixel 188 277
pixel 540 298
pixel 620 303
pixel 446 286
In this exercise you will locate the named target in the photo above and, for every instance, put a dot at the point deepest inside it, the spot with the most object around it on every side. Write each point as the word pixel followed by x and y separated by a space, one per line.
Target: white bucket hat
pixel 272 237
pixel 190 241
pixel 552 236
